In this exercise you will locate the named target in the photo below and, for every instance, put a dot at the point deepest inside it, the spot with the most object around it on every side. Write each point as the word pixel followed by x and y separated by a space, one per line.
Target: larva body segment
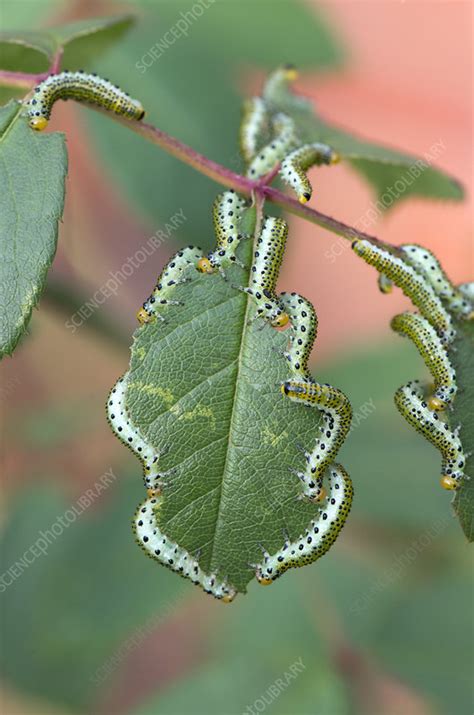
pixel 268 256
pixel 274 152
pixel 278 82
pixel 160 547
pixel 337 418
pixel 430 268
pixel 171 275
pixel 130 435
pixel 304 323
pixel 318 537
pixel 413 285
pixel 254 125
pixel 434 354
pixel 467 290
pixel 294 167
pixel 82 87
pixel 227 213
pixel 411 404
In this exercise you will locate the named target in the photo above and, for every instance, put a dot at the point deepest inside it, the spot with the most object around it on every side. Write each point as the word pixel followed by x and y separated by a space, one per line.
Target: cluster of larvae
pixel 418 273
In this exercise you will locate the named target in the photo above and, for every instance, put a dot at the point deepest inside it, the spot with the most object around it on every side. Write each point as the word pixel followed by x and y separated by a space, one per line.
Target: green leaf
pixel 204 390
pixel 463 414
pixel 80 40
pixel 82 599
pixel 394 175
pixel 175 87
pixel 32 175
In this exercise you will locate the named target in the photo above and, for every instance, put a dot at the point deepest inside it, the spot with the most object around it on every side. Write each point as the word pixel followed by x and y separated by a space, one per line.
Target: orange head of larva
pixel 263 580
pixel 143 316
pixel 228 597
pixel 38 123
pixel 435 404
pixel 291 73
pixel 280 321
pixel 204 265
pixel 449 483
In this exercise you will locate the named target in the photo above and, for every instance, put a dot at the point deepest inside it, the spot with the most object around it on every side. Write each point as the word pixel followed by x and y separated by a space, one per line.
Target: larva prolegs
pixel 411 403
pixel 169 278
pixel 336 422
pixel 268 256
pixel 318 537
pixel 169 554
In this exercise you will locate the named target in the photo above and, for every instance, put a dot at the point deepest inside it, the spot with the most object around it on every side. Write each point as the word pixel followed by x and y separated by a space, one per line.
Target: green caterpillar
pixel 318 537
pixel 82 87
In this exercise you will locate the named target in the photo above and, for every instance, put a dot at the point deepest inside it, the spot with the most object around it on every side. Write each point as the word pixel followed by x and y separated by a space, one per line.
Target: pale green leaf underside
pixel 32 174
pixel 205 387
pixel 381 166
pixel 463 414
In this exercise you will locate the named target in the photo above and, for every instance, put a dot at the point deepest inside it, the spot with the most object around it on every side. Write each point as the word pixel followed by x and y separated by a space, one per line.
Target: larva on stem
pixel 82 87
pixel 254 124
pixel 318 537
pixel 294 167
pixel 434 354
pixel 411 404
pixel 268 256
pixel 274 152
pixel 227 213
pixel 169 554
pixel 412 284
pixel 170 276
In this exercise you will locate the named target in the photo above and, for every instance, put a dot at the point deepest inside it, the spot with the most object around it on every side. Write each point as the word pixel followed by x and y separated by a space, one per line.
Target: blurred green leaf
pixel 32 174
pixel 81 40
pixel 463 414
pixel 68 611
pixel 274 658
pixel 198 101
pixel 222 426
pixel 391 173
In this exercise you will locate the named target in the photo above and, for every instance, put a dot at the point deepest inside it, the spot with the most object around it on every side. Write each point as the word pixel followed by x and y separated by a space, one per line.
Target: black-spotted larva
pixel 160 547
pixel 434 354
pixel 227 213
pixel 414 285
pixel 428 265
pixel 294 166
pixel 171 275
pixel 254 125
pixel 318 537
pixel 467 290
pixel 304 323
pixel 411 404
pixel 147 532
pixel 337 417
pixel 268 256
pixel 274 152
pixel 130 435
pixel 82 87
